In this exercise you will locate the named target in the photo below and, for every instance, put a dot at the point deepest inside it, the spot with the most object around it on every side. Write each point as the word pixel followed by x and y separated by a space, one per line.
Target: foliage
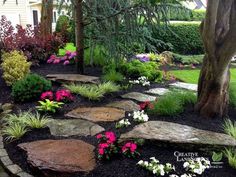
pixel 29 40
pixel 188 59
pixel 113 76
pixel 15 131
pixel 30 88
pixel 68 47
pixel 64 27
pixel 35 120
pixel 14 66
pixel 230 128
pixel 198 14
pixel 136 68
pixel 172 103
pixel 184 37
pixel 230 153
pixel 93 92
pixel 232 94
pixel 49 106
pixel 216 157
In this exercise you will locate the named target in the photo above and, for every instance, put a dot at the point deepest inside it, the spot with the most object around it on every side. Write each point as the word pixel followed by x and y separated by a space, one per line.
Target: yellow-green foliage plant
pixel 14 66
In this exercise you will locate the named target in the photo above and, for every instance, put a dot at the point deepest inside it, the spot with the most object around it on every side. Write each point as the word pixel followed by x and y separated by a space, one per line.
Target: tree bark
pixel 46 17
pixel 218 34
pixel 79 33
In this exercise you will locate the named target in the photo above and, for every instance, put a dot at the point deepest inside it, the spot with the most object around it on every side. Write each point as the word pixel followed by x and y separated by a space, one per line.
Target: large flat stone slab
pixel 97 114
pixel 126 105
pixel 67 78
pixel 71 127
pixel 177 133
pixel 65 156
pixel 184 85
pixel 140 97
pixel 157 91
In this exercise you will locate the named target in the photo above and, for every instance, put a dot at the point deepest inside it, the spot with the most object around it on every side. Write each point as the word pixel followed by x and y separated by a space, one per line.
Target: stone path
pixel 157 91
pixel 73 127
pixel 97 114
pixel 140 97
pixel 177 133
pixel 126 105
pixel 65 156
pixel 65 78
pixel 183 85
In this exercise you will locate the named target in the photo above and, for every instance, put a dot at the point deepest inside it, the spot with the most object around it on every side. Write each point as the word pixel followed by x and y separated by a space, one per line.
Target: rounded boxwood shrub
pixel 30 88
pixel 65 27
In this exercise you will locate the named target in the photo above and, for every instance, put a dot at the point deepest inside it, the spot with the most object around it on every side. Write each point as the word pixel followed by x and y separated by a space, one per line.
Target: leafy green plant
pixel 49 106
pixel 198 14
pixel 230 153
pixel 30 88
pixel 113 76
pixel 186 97
pixel 14 131
pixel 36 120
pixel 216 157
pixel 230 128
pixel 108 87
pixel 14 66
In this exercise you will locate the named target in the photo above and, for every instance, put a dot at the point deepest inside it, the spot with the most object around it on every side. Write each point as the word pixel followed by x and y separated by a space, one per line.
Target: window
pixel 54 16
pixel 35 18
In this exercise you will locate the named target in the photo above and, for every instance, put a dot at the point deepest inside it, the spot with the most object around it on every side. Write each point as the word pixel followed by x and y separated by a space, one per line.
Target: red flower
pixel 144 105
pixel 101 151
pixel 103 145
pixel 110 136
pixel 64 95
pixel 99 136
pixel 47 95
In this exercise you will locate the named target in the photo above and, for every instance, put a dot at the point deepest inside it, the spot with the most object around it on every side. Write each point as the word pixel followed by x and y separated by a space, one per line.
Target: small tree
pixel 46 17
pixel 218 32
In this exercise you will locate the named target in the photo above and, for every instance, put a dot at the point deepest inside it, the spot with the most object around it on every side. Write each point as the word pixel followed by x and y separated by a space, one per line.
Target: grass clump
pixel 230 128
pixel 93 92
pixel 230 153
pixel 14 132
pixel 113 76
pixel 172 103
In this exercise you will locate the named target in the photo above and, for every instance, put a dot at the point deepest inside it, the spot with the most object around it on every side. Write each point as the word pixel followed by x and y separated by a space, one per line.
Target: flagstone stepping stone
pixel 74 127
pixel 157 91
pixel 126 105
pixel 64 156
pixel 139 97
pixel 73 78
pixel 97 114
pixel 183 85
pixel 177 133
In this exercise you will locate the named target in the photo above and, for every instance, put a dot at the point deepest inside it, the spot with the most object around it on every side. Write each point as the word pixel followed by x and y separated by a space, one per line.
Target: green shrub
pixel 173 103
pixel 230 128
pixel 14 66
pixel 136 68
pixel 64 27
pixel 30 88
pixel 232 95
pixel 184 37
pixel 198 14
pixel 188 59
pixel 113 76
pixel 108 87
pixel 96 56
pixel 231 156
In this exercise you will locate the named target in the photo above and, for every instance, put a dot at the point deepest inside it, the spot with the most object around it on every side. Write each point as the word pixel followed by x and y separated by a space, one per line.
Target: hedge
pixel 198 15
pixel 184 37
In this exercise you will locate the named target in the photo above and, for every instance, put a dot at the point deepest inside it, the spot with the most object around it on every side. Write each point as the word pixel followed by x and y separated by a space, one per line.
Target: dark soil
pixel 118 166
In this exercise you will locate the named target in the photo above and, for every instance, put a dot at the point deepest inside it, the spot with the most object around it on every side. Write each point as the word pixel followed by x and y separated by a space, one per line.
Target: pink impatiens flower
pixel 47 95
pixel 66 62
pixel 110 136
pixel 101 151
pixel 64 96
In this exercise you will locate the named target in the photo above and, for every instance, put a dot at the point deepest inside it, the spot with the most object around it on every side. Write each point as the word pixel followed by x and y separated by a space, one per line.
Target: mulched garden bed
pixel 119 166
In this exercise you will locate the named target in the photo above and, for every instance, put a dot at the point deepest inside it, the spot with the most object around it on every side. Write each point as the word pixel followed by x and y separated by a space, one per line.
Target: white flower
pixel 198 171
pixel 186 164
pixel 154 160
pixel 146 163
pixel 186 175
pixel 173 175
pixel 140 162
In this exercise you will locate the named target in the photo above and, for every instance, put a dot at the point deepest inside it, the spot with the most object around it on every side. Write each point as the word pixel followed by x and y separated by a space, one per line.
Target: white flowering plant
pixel 197 166
pixel 141 80
pixel 183 175
pixel 156 168
pixel 123 123
pixel 139 116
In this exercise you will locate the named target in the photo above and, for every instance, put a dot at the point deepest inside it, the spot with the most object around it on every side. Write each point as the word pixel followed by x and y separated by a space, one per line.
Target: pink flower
pixel 133 147
pixel 101 151
pixel 63 95
pixel 68 53
pixel 110 136
pixel 47 95
pixel 103 145
pixel 66 62
pixel 56 61
pixel 124 149
pixel 99 136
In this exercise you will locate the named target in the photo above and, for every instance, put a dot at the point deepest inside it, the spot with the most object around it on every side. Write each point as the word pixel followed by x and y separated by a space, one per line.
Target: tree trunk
pixel 79 33
pixel 218 34
pixel 46 17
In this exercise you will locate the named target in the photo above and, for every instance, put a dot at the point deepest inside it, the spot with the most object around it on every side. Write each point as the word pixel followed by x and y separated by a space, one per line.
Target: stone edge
pixel 11 168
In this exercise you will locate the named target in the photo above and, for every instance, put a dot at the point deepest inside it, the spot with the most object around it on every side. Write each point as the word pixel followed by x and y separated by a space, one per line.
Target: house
pixel 196 4
pixel 27 12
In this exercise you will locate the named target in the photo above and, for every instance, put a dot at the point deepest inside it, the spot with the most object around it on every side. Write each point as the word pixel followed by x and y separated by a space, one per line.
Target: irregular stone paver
pixel 65 156
pixel 183 85
pixel 177 133
pixel 157 91
pixel 97 114
pixel 73 78
pixel 139 97
pixel 126 105
pixel 74 127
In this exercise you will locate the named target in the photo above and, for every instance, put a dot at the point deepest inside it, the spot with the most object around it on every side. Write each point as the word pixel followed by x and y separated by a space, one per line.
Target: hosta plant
pixel 49 106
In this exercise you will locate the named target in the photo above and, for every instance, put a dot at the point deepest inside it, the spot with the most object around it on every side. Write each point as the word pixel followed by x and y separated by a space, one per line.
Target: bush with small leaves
pixel 30 88
pixel 113 76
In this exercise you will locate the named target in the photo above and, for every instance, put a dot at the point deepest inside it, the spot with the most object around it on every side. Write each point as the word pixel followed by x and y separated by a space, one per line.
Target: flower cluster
pixel 130 149
pixel 197 166
pixel 146 105
pixel 155 167
pixel 143 57
pixel 141 80
pixel 69 58
pixel 61 96
pixel 139 116
pixel 107 145
pixel 183 175
pixel 123 123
